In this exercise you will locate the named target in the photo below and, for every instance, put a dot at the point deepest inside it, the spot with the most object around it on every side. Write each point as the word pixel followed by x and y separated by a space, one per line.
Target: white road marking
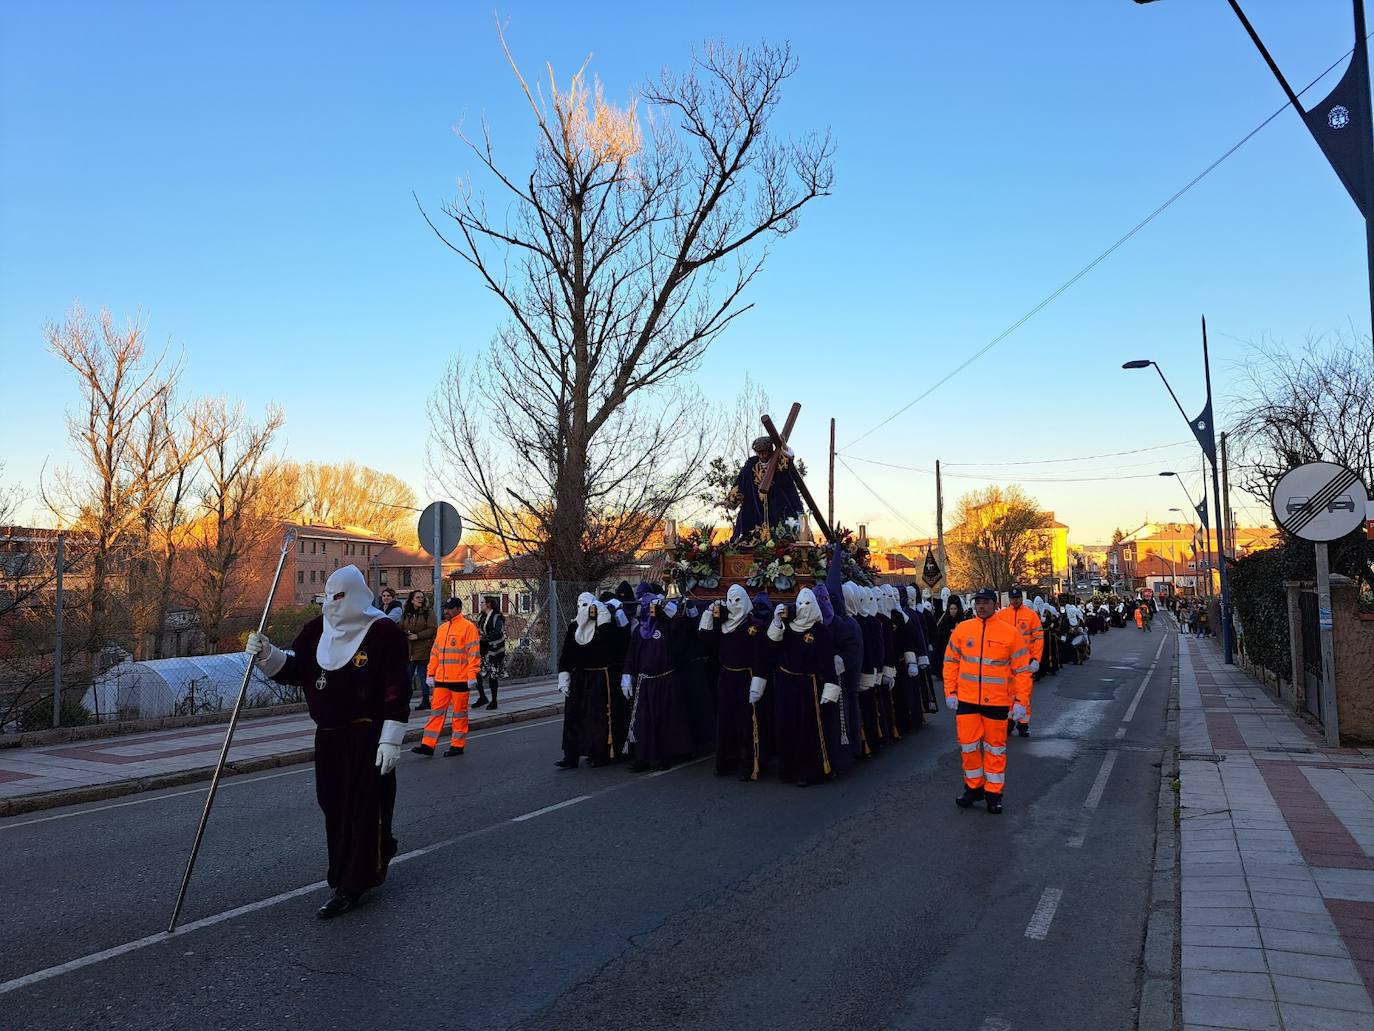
pixel 1100 784
pixel 995 1024
pixel 231 781
pixel 1140 691
pixel 682 766
pixel 1120 732
pixel 549 808
pixel 1039 925
pixel 155 939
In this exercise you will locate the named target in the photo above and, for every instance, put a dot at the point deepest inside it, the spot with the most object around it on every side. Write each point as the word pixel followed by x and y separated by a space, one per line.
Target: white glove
pixel 472 685
pixel 951 702
pixel 670 609
pixel 756 689
pixel 908 657
pixel 620 617
pixel 839 666
pixel 866 681
pixel 1035 665
pixel 889 675
pixel 912 669
pixel 779 612
pixel 387 754
pixel 270 659
pixel 564 684
pixel 830 693
pixel 627 685
pixel 429 681
pixel 923 661
pixel 708 619
pixel 1018 713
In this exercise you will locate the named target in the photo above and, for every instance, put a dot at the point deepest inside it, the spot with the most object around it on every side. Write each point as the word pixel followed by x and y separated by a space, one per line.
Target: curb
pixel 1159 1006
pixel 101 792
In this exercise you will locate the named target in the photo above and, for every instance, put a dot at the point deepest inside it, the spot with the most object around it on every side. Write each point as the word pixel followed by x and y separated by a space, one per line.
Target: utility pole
pixel 57 636
pixel 1228 515
pixel 940 521
pixel 830 508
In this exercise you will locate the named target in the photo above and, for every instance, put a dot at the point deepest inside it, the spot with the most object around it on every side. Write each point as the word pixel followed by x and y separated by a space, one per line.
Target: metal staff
pixel 286 543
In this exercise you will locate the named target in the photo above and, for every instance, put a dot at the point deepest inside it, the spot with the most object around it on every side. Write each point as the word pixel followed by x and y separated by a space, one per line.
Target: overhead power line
pixel 1054 295
pixel 1081 458
pixel 882 500
pixel 1018 479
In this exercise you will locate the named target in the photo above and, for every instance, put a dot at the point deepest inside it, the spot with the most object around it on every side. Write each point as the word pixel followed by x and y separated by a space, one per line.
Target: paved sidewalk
pixel 76 771
pixel 1278 879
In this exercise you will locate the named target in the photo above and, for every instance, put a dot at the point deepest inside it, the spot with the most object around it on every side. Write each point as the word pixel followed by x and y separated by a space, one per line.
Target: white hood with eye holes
pixel 347 619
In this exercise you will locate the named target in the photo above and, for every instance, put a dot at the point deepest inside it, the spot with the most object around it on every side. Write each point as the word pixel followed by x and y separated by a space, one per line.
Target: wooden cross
pixel 779 451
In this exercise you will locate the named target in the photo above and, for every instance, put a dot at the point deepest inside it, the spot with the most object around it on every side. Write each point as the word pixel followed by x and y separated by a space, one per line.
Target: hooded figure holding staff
pixel 351 664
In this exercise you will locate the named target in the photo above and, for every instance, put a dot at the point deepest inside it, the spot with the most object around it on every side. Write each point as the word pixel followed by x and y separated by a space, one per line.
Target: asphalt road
pixel 673 900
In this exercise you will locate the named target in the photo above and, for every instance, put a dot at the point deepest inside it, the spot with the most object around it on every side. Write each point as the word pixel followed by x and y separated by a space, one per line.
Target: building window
pixel 301 543
pixel 405 577
pixel 523 601
pixel 312 576
pixel 300 576
pixel 312 547
pixel 324 546
pixel 382 576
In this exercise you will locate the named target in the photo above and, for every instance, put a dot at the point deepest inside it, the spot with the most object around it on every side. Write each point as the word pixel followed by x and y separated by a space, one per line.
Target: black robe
pixel 348 712
pixel 848 736
pixel 783 500
pixel 742 744
pixel 594 695
pixel 803 663
pixel 874 728
pixel 660 721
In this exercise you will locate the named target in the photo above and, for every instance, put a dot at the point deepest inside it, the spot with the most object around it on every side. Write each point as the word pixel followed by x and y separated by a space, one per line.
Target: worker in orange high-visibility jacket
pixel 454 662
pixel 1027 620
pixel 987 677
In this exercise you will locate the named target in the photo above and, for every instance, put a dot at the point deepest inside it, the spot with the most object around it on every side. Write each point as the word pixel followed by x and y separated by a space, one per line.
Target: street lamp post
pixel 1204 432
pixel 1201 511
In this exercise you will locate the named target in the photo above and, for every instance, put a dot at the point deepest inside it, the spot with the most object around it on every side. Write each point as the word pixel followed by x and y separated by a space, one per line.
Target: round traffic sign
pixel 1320 501
pixel 440 528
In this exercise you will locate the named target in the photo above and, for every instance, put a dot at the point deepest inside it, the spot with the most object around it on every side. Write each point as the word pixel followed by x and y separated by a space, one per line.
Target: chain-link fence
pixel 535 651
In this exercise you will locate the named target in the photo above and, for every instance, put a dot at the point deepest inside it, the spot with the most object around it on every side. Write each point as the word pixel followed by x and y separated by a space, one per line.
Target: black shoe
pixel 566 764
pixel 454 750
pixel 995 804
pixel 969 796
pixel 1023 729
pixel 491 705
pixel 337 906
pixel 1011 725
pixel 596 764
pixel 481 703
pixel 638 766
pixel 423 750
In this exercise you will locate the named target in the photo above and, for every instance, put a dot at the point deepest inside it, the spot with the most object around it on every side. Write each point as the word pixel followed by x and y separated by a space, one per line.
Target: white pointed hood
pixel 588 615
pixel 850 590
pixel 737 607
pixel 347 619
pixel 808 611
pixel 869 603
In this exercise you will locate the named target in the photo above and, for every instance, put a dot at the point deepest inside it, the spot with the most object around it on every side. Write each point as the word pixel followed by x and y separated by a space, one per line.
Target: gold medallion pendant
pixel 360 660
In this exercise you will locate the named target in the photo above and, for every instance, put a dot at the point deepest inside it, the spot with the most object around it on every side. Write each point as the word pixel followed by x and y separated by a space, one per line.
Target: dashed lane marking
pixel 1040 920
pixel 549 808
pixel 995 1024
pixel 1140 691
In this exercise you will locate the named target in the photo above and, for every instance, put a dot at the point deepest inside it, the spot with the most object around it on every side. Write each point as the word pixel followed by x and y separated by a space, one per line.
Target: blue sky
pixel 242 175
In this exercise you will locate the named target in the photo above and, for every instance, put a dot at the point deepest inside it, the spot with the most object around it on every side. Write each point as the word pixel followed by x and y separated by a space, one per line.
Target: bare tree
pixel 348 494
pixel 120 385
pixel 241 507
pixel 996 531
pixel 619 257
pixel 1317 405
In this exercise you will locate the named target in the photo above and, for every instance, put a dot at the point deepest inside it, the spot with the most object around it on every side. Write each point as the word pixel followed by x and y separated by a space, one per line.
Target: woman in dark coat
pixel 944 628
pixel 419 626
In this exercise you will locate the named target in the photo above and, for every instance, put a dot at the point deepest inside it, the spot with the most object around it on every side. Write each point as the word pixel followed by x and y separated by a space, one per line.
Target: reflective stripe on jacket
pixel 1025 620
pixel 987 662
pixel 456 657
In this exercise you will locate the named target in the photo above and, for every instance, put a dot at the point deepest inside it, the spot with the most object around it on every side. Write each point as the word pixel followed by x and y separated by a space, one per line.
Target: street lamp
pixel 1204 432
pixel 1202 514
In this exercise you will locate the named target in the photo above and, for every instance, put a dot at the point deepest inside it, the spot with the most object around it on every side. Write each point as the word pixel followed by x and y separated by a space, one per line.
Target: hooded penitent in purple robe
pixel 660 720
pixel 804 682
pixel 737 637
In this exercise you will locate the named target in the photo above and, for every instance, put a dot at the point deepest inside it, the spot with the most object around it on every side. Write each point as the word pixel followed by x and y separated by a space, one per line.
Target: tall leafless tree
pixel 618 258
pixel 1315 405
pixel 106 497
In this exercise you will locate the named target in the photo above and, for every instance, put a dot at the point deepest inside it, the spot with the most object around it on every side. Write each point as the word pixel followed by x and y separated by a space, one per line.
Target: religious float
pixel 772 548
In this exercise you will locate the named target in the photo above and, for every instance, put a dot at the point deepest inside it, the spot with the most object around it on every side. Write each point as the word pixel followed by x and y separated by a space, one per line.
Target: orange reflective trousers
pixel 983 746
pixel 441 698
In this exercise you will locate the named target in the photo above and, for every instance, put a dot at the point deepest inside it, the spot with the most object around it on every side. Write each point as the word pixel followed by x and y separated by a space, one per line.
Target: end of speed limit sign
pixel 1320 501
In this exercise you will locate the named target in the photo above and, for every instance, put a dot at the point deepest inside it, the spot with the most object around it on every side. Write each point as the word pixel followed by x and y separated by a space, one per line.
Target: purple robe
pixel 660 721
pixel 348 711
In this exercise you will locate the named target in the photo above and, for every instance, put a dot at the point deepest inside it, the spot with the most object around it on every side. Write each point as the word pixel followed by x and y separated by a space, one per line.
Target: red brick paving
pixel 1320 835
pixel 11 775
pixel 1355 921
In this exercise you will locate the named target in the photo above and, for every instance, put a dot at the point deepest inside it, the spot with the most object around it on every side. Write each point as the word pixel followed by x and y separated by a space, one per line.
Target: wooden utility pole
pixel 940 521
pixel 830 508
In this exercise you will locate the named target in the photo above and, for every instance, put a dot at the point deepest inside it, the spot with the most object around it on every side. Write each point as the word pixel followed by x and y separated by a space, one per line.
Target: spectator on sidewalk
pixel 389 604
pixel 419 624
pixel 491 625
pixel 454 662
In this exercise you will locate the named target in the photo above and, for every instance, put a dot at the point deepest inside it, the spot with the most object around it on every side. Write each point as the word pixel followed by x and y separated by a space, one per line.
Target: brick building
pixel 319 550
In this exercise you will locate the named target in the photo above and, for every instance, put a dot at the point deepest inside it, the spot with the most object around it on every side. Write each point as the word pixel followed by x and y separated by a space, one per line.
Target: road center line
pixel 1140 691
pixel 995 1024
pixel 1039 925
pixel 549 808
pixel 232 781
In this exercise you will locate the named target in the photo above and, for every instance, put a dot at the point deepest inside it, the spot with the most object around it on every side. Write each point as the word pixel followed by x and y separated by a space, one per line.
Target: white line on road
pixel 995 1024
pixel 1120 732
pixel 549 808
pixel 1100 784
pixel 219 918
pixel 230 781
pixel 1039 925
pixel 1140 691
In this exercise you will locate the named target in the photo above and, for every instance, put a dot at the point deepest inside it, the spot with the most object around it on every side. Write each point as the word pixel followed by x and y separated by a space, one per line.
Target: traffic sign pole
pixel 438 566
pixel 1330 716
